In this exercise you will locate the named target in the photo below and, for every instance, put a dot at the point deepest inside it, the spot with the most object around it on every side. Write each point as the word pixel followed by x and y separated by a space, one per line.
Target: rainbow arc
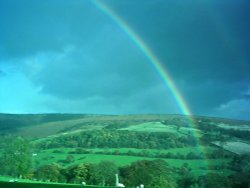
pixel 155 62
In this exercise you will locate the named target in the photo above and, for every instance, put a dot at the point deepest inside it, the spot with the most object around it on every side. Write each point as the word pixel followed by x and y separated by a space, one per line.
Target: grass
pixel 48 156
pixel 153 127
pixel 198 166
pixel 8 178
pixel 42 185
pixel 159 127
pixel 91 158
pixel 26 183
pixel 54 128
pixel 185 150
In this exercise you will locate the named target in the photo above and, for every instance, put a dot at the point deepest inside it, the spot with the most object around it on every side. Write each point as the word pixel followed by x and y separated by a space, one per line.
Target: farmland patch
pixel 235 147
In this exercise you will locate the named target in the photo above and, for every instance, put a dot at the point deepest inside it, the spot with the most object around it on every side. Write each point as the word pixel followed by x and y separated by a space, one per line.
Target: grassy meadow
pixel 42 185
pixel 198 166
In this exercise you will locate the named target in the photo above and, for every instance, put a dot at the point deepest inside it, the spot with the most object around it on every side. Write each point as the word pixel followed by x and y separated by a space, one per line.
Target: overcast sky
pixel 70 57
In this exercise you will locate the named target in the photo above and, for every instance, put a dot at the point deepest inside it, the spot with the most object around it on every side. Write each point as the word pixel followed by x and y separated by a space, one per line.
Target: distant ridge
pixel 53 123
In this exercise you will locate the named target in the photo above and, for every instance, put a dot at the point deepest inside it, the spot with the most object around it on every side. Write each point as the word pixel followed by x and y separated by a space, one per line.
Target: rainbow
pixel 164 75
pixel 138 41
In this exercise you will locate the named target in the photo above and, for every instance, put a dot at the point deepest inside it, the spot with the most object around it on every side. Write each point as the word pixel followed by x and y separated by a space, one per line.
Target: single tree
pixel 105 172
pixel 50 172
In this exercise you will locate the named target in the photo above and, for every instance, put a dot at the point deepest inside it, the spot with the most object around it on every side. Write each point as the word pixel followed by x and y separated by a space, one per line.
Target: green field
pixel 88 158
pixel 151 126
pixel 198 149
pixel 160 127
pixel 198 166
pixel 42 185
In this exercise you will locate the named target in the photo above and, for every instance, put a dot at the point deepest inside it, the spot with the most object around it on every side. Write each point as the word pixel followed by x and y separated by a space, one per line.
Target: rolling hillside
pixel 42 125
pixel 66 141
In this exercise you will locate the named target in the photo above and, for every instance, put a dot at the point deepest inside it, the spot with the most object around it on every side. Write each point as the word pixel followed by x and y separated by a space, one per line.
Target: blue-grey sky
pixel 70 57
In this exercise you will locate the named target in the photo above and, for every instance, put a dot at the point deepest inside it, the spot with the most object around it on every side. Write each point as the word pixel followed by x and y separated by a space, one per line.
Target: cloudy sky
pixel 70 57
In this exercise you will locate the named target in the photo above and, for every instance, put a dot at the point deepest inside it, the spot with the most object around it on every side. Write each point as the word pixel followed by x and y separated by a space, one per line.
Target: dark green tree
pixel 105 173
pixel 160 182
pixel 187 180
pixel 16 158
pixel 50 172
pixel 147 173
pixel 69 159
pixel 76 173
pixel 215 181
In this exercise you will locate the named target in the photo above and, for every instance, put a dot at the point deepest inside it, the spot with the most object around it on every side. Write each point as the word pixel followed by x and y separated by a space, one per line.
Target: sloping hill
pixel 11 122
pixel 42 125
pixel 65 142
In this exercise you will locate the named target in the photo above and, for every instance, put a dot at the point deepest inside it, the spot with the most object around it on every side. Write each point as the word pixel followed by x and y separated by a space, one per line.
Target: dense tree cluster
pixel 213 132
pixel 152 174
pixel 93 174
pixel 156 173
pixel 16 157
pixel 119 139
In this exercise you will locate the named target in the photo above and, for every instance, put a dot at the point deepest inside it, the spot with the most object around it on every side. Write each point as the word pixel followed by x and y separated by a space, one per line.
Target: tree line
pixel 119 139
pixel 215 154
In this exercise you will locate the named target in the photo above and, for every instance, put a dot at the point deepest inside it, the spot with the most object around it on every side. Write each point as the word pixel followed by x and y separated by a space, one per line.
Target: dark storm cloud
pixel 29 27
pixel 203 45
pixel 197 41
pixel 82 75
pixel 153 100
pixel 202 97
pixel 76 53
pixel 84 55
pixel 2 73
pixel 246 96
